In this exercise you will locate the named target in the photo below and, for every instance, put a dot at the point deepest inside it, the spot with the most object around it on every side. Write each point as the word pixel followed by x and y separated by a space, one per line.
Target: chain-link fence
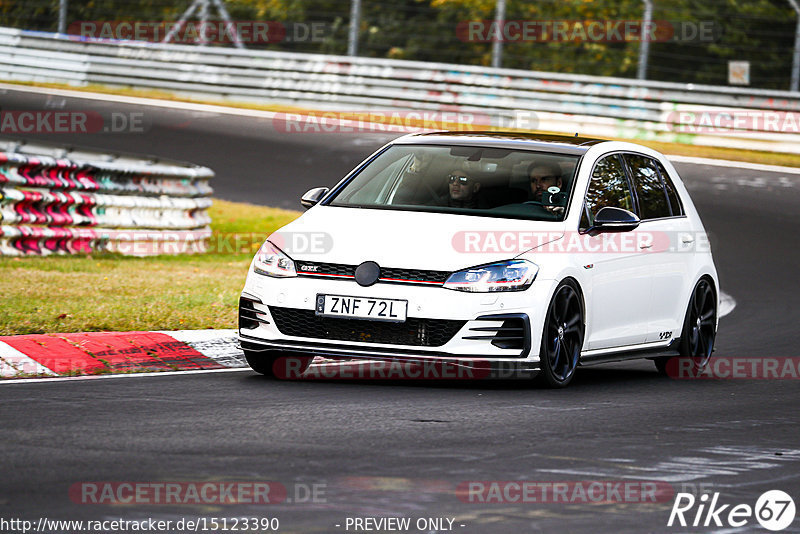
pixel 689 41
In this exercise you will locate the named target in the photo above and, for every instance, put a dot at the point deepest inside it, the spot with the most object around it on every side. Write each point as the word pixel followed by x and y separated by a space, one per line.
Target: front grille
pixel 319 268
pixel 415 275
pixel 415 331
pixel 389 275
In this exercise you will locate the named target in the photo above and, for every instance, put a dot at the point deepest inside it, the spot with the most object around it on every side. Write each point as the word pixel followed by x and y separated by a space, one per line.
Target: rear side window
pixel 608 187
pixel 672 194
pixel 650 192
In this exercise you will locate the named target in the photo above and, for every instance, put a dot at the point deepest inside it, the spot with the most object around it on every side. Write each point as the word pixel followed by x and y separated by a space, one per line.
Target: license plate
pixel 362 308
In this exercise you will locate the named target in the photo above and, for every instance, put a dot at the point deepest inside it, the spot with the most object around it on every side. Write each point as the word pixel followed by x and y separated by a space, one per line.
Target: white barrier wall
pixel 594 106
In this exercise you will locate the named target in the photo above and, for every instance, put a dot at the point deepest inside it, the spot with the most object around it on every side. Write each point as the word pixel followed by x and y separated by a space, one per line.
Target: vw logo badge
pixel 367 273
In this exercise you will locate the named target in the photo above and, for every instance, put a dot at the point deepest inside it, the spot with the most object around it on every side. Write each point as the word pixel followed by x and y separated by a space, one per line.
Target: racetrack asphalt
pixel 389 448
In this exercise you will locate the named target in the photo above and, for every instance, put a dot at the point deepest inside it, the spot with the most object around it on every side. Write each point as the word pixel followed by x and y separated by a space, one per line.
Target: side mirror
pixel 610 219
pixel 313 196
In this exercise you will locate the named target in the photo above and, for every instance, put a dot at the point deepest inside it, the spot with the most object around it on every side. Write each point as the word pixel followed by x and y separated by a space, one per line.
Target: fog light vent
pixel 512 333
pixel 248 315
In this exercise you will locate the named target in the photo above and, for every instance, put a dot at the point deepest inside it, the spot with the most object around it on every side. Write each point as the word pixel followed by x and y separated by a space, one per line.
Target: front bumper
pixel 480 329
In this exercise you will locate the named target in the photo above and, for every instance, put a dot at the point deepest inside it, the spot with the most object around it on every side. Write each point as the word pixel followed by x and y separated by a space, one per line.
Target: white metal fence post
pixel 795 83
pixel 644 46
pixel 62 16
pixel 497 42
pixel 355 22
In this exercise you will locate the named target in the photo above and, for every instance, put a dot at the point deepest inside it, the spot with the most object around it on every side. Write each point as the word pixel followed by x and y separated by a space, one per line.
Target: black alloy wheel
pixel 562 338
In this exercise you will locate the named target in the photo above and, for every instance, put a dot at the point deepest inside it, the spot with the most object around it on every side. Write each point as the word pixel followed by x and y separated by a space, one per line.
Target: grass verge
pixel 117 293
pixel 749 156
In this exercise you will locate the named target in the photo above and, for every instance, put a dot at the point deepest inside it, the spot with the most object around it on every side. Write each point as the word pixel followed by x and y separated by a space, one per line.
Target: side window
pixel 608 187
pixel 672 194
pixel 653 202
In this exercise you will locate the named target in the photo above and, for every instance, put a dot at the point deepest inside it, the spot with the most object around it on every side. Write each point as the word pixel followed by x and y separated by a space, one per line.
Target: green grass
pixel 111 292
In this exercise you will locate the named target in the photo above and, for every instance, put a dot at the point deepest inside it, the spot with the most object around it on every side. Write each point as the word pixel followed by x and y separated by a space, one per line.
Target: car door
pixel 619 274
pixel 661 213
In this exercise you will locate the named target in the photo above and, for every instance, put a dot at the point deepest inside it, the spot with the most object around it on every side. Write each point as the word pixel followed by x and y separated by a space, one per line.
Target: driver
pixel 542 177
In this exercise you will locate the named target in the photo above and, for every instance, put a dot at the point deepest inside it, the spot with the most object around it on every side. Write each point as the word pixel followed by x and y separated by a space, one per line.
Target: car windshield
pixel 492 182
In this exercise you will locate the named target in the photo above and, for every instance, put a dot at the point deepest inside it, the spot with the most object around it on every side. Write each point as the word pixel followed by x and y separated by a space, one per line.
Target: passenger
pixel 463 190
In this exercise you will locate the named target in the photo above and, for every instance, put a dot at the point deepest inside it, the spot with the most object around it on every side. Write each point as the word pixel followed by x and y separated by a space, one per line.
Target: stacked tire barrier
pixel 56 205
pixel 733 117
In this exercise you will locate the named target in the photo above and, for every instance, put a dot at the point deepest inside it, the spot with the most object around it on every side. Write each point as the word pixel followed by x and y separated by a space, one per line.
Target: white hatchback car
pixel 489 250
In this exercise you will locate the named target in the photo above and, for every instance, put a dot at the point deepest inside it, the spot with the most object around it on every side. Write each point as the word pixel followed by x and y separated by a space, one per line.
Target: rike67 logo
pixel 774 510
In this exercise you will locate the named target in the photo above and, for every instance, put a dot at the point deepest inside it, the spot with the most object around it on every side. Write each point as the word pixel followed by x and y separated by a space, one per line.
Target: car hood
pixel 411 240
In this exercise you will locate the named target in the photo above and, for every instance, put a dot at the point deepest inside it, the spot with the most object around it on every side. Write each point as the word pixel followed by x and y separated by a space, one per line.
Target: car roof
pixel 564 144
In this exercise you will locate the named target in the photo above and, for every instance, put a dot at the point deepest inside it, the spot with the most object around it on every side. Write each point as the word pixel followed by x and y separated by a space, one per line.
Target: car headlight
pixel 512 275
pixel 271 261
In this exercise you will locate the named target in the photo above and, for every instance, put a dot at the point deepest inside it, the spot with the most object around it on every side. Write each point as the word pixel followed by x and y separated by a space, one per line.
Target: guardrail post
pixel 795 83
pixel 355 22
pixel 203 16
pixel 62 17
pixel 644 46
pixel 497 42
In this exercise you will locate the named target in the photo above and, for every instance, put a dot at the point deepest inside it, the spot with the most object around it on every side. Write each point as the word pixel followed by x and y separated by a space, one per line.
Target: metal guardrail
pixel 610 107
pixel 54 201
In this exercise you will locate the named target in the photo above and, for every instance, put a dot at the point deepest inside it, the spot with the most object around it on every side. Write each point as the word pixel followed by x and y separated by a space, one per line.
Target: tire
pixel 562 336
pixel 275 365
pixel 700 325
pixel 699 328
pixel 661 364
